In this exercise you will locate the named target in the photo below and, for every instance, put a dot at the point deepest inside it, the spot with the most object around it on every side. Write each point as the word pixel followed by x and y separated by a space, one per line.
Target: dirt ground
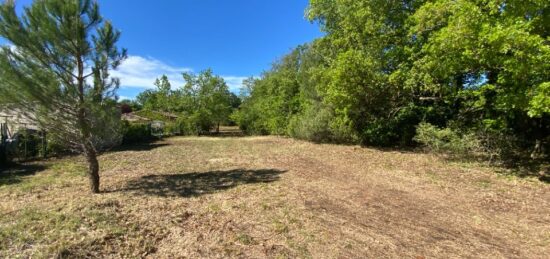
pixel 271 197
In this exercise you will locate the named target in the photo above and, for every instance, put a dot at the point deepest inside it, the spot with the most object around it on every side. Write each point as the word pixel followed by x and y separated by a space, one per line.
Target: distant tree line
pixel 462 70
pixel 202 104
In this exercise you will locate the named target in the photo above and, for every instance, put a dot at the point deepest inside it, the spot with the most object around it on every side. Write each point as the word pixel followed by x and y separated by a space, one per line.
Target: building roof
pixel 132 117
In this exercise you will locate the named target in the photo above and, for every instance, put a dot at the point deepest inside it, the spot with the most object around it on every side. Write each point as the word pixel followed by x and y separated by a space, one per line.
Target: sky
pixel 237 38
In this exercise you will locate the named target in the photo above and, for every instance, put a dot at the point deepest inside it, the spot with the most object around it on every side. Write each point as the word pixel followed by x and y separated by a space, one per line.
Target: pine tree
pixel 56 72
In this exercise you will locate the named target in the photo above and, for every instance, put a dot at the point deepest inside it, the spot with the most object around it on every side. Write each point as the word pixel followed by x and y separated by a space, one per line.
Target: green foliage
pixel 270 102
pixel 171 129
pixel 57 73
pixel 54 147
pixel 163 98
pixel 201 104
pixel 447 140
pixel 136 132
pixel 44 75
pixel 384 66
pixel 27 145
pixel 314 125
pixel 207 99
pixel 539 105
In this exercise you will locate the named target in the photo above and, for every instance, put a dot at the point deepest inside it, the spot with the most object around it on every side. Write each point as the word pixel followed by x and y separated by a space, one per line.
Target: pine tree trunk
pixel 93 168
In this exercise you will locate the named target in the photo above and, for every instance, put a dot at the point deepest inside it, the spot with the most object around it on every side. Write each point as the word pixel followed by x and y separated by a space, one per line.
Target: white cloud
pixel 141 72
pixel 234 82
pixel 122 98
pixel 12 47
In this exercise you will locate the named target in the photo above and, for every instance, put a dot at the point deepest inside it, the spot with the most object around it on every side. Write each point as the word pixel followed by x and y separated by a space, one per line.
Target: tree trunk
pixel 88 146
pixel 537 150
pixel 93 168
pixel 218 129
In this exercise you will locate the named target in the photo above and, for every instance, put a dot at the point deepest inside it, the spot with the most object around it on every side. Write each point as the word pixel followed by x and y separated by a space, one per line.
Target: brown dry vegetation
pixel 258 197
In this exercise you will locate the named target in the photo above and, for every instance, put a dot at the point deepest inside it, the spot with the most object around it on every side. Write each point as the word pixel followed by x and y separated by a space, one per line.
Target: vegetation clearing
pixel 197 197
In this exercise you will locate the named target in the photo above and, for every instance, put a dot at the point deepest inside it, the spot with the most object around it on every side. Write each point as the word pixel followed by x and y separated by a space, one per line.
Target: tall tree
pixel 383 66
pixel 57 72
pixel 207 98
pixel 490 58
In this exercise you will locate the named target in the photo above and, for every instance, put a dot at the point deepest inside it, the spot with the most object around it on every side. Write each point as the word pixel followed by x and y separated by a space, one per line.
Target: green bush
pixel 249 122
pixel 447 140
pixel 136 132
pixel 501 146
pixel 186 126
pixel 314 125
pixel 27 144
pixel 54 147
pixel 171 129
pixel 200 122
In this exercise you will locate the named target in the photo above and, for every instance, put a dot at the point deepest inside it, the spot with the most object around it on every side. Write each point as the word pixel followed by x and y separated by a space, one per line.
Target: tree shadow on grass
pixel 144 146
pixel 225 133
pixel 196 184
pixel 518 166
pixel 16 173
pixel 526 167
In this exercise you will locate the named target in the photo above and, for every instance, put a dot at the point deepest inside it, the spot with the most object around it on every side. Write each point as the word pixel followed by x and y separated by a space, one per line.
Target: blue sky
pixel 237 38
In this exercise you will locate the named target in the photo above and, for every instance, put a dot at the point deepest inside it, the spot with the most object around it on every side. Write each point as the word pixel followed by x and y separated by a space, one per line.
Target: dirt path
pixel 274 197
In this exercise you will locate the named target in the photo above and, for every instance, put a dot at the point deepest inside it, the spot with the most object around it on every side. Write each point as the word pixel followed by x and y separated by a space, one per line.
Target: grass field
pixel 257 197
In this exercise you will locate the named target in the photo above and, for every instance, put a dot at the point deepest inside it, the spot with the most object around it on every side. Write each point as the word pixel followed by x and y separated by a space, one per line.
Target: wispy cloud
pixel 234 82
pixel 122 98
pixel 141 72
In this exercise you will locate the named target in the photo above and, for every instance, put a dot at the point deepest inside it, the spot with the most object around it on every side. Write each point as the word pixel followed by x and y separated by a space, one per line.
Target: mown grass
pixel 64 229
pixel 267 197
pixel 33 226
pixel 24 179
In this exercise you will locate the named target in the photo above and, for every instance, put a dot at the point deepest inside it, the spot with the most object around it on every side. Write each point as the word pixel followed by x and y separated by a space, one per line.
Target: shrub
pixel 200 122
pixel 314 125
pixel 54 147
pixel 250 121
pixel 447 140
pixel 28 144
pixel 502 146
pixel 186 126
pixel 171 128
pixel 125 108
pixel 136 132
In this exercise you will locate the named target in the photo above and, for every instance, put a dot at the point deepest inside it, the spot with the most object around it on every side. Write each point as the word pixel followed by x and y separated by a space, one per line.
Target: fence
pixel 24 145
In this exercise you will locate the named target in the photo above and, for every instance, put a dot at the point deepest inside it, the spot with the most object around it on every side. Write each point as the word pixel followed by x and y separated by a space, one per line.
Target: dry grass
pixel 271 197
